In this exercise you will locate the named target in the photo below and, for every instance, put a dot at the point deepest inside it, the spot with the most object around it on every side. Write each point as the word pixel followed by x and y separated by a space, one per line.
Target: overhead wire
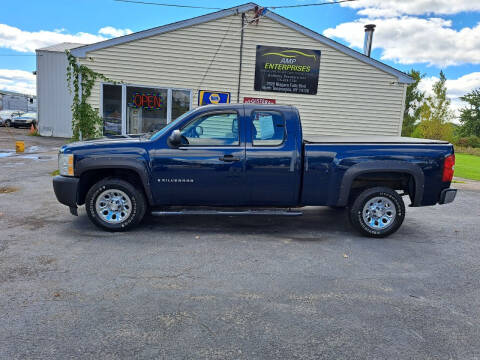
pixel 220 46
pixel 248 22
pixel 216 8
pixel 311 4
pixel 171 5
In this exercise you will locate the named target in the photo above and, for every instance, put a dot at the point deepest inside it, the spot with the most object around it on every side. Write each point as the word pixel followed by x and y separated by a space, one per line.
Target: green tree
pixel 413 104
pixel 470 115
pixel 435 114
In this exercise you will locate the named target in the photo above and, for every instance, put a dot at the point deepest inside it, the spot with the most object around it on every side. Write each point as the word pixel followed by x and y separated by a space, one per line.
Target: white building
pixel 10 100
pixel 236 55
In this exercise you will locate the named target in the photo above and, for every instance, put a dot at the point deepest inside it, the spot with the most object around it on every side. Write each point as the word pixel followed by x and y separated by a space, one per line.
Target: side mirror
pixel 199 130
pixel 175 139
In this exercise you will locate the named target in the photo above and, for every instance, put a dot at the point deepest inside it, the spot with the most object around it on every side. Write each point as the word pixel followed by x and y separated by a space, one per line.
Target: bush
pixel 467 150
pixel 436 130
pixel 469 141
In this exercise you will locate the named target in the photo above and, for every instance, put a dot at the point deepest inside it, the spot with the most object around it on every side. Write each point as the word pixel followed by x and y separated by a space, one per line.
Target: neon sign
pixel 146 101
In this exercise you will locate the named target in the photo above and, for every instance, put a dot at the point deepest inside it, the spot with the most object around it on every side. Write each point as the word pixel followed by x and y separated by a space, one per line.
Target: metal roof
pixel 83 50
pixel 13 93
pixel 61 47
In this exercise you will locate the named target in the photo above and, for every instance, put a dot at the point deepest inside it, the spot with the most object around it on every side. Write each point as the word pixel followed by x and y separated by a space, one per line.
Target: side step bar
pixel 273 212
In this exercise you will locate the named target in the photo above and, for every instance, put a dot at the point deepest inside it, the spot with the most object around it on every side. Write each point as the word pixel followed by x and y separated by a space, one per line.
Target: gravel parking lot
pixel 229 287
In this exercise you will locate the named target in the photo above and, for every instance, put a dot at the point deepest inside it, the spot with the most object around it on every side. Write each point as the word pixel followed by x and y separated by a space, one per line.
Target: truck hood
pixel 103 142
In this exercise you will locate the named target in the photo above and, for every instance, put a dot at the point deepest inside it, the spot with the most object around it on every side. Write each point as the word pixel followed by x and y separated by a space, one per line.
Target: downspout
pixel 241 58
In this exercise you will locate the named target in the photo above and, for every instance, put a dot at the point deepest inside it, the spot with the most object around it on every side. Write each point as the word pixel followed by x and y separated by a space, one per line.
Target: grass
pixel 55 173
pixel 467 166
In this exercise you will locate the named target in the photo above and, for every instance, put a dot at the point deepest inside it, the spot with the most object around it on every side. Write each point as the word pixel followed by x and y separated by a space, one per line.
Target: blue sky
pixel 427 35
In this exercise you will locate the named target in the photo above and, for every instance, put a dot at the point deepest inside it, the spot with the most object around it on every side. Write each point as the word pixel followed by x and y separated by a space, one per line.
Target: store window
pixel 180 102
pixel 146 109
pixel 112 109
pixel 137 110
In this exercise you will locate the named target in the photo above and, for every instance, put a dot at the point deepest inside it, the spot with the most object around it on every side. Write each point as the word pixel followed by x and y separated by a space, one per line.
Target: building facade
pixel 16 101
pixel 243 54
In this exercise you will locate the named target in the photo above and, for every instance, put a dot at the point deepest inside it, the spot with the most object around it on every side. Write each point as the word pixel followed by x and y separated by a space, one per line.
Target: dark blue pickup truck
pixel 252 159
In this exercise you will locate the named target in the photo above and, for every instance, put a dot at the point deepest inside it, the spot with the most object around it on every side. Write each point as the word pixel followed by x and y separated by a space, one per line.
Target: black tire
pixel 136 197
pixel 356 215
pixel 7 123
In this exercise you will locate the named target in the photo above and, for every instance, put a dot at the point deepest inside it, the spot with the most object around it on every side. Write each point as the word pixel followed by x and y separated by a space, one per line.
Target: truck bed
pixel 368 140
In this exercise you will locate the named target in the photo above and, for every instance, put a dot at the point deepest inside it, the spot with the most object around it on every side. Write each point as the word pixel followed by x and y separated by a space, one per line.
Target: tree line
pixel 430 116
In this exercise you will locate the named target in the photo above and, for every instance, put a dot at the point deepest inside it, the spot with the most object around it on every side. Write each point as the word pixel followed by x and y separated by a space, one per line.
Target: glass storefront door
pixel 112 109
pixel 136 109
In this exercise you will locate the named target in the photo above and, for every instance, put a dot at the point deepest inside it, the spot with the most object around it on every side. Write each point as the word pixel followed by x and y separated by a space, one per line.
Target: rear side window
pixel 268 128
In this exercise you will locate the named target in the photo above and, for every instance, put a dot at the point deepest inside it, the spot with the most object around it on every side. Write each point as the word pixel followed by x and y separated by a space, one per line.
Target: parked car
pixel 6 116
pixel 25 120
pixel 252 158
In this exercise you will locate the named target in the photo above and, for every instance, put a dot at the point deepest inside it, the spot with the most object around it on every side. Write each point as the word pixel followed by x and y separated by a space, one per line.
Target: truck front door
pixel 208 168
pixel 272 158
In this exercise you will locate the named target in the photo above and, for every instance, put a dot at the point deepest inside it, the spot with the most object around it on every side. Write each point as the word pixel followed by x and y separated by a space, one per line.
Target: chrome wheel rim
pixel 379 213
pixel 113 206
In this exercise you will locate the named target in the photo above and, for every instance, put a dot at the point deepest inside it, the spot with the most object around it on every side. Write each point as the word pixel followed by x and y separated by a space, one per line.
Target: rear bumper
pixel 66 190
pixel 447 196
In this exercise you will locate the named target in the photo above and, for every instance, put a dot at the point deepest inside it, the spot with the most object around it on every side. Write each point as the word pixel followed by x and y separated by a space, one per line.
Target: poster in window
pixel 287 70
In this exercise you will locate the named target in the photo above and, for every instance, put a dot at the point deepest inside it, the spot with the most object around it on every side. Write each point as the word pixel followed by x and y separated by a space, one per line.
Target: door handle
pixel 228 158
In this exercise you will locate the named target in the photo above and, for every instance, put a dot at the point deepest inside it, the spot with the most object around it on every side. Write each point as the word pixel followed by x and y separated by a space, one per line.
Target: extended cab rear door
pixel 273 156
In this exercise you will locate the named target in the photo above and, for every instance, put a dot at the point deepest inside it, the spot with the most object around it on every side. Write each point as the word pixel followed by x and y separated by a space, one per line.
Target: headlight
pixel 65 164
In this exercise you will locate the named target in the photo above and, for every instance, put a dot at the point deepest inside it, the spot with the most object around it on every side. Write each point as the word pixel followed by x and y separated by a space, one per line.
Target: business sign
pixel 146 101
pixel 213 97
pixel 287 70
pixel 253 100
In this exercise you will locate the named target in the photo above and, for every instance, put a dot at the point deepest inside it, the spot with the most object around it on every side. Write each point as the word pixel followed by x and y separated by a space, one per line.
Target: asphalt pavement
pixel 210 287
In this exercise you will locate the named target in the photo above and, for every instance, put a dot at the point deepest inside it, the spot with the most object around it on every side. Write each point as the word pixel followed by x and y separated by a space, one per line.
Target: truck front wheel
pixel 377 212
pixel 115 204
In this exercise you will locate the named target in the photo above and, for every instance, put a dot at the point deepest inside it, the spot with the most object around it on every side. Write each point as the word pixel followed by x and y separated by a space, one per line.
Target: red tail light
pixel 448 168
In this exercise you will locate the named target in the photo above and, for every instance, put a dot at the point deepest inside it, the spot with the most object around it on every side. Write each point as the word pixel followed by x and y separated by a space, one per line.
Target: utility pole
pixel 241 58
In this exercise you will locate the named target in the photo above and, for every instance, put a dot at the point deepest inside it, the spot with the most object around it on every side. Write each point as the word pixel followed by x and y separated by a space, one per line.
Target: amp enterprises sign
pixel 287 70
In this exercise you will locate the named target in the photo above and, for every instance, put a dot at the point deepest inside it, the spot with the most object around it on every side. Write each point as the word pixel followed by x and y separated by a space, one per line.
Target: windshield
pixel 170 126
pixel 30 115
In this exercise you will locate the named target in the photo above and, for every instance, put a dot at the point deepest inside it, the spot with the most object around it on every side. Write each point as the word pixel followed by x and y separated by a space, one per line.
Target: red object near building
pixel 252 100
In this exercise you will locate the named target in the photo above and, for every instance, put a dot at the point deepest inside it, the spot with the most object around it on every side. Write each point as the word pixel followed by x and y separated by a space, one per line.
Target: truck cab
pixel 230 156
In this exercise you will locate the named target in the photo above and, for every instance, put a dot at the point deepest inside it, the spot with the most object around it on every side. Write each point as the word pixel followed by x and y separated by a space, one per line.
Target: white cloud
pixel 409 40
pixel 455 88
pixel 28 41
pixel 17 80
pixel 390 8
pixel 113 32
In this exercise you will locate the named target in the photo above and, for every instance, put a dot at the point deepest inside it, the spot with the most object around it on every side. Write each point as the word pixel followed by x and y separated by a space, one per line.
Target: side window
pixel 268 128
pixel 212 130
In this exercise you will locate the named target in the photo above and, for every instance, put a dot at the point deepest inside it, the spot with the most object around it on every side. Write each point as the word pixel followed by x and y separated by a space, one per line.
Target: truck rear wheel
pixel 377 212
pixel 115 204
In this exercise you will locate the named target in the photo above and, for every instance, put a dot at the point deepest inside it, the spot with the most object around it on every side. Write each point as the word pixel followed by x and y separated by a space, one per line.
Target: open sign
pixel 147 101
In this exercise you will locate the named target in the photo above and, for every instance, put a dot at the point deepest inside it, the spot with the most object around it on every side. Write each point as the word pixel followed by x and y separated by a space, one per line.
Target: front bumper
pixel 22 124
pixel 447 196
pixel 66 190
